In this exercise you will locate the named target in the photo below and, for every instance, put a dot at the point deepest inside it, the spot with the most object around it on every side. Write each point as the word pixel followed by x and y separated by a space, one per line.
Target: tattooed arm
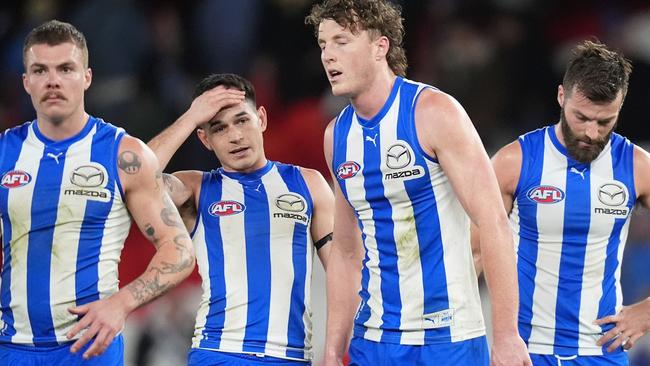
pixel 158 219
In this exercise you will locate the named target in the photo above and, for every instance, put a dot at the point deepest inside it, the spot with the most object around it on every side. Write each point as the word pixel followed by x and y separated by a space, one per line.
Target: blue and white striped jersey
pixel 570 223
pixel 418 279
pixel 255 252
pixel 64 223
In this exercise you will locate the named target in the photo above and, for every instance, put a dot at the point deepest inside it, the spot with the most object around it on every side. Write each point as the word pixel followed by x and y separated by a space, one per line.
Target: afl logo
pixel 545 194
pixel 226 208
pixel 348 170
pixel 15 179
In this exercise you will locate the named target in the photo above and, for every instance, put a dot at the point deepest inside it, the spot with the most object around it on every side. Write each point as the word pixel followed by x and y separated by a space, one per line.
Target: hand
pixel 631 323
pixel 509 351
pixel 102 320
pixel 208 104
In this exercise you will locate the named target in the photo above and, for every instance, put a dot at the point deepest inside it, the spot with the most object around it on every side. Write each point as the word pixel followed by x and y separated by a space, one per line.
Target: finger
pixel 99 345
pixel 78 310
pixel 81 342
pixel 607 320
pixel 608 336
pixel 631 342
pixel 617 343
pixel 82 324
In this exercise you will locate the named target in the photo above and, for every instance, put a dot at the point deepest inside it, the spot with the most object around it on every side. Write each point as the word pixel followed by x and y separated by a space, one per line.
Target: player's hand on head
pixel 102 320
pixel 207 105
pixel 630 324
pixel 509 351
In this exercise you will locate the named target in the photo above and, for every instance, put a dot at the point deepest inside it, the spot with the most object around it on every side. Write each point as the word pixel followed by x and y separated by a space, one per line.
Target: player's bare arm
pixel 158 219
pixel 202 110
pixel 322 224
pixel 183 187
pixel 445 131
pixel 633 321
pixel 344 270
pixel 507 167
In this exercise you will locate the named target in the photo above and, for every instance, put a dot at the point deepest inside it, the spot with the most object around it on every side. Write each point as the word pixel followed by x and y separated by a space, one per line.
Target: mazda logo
pixel 290 202
pixel 612 194
pixel 87 176
pixel 398 156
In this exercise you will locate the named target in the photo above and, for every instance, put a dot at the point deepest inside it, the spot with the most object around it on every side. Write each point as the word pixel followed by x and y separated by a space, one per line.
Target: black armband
pixel 319 244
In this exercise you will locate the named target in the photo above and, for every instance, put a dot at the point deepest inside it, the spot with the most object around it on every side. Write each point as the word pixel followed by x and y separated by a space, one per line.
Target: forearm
pixel 499 265
pixel 171 264
pixel 166 143
pixel 343 282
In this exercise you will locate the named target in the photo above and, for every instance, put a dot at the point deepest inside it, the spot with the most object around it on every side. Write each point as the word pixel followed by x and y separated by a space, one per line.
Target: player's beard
pixel 583 155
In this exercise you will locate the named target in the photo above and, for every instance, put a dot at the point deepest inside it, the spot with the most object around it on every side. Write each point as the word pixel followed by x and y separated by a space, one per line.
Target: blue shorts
pixel 472 352
pixel 204 357
pixel 20 355
pixel 610 359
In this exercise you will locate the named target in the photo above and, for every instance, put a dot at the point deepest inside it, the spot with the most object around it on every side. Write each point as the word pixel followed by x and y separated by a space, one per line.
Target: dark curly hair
pixel 597 71
pixel 380 16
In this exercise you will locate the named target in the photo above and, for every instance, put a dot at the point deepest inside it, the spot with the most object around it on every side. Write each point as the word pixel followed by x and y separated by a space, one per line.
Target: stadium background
pixel 502 59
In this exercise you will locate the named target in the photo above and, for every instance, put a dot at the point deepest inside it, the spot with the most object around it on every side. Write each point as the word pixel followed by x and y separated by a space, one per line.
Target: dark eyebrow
pixel 242 113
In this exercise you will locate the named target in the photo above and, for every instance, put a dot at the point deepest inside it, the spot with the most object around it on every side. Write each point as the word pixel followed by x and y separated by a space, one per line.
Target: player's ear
pixel 204 139
pixel 261 114
pixel 383 45
pixel 560 95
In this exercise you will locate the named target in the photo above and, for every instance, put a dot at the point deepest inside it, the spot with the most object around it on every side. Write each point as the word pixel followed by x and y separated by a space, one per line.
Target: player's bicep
pixel 507 168
pixel 322 223
pixel 642 176
pixel 150 206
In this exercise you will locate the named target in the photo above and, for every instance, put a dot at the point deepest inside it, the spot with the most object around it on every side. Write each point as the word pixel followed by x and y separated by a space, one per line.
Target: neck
pixel 370 101
pixel 58 130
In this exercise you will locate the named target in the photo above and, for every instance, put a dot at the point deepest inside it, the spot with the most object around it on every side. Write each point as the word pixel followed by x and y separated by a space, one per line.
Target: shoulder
pixel 510 154
pixel 435 101
pixel 191 178
pixel 135 162
pixel 133 147
pixel 436 111
pixel 311 175
pixel 641 162
pixel 315 181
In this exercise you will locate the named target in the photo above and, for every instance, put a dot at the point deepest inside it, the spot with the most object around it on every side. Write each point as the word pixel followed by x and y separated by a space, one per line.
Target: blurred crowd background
pixel 502 59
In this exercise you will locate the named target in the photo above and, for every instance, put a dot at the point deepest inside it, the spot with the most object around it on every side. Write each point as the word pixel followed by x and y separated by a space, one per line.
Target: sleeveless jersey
pixel 418 283
pixel 255 253
pixel 64 223
pixel 570 223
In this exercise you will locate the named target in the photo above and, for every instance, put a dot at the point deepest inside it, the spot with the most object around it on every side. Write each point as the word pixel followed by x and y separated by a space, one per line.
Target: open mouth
pixel 238 150
pixel 333 74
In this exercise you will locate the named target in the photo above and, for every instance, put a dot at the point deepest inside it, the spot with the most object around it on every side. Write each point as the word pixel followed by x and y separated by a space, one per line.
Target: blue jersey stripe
pixel 258 263
pixel 528 246
pixel 574 245
pixel 382 213
pixel 296 330
pixel 47 189
pixel 90 236
pixel 623 172
pixel 427 224
pixel 8 158
pixel 216 317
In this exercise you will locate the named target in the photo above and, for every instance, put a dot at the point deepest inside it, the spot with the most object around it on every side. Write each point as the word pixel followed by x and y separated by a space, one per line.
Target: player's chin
pixel 339 90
